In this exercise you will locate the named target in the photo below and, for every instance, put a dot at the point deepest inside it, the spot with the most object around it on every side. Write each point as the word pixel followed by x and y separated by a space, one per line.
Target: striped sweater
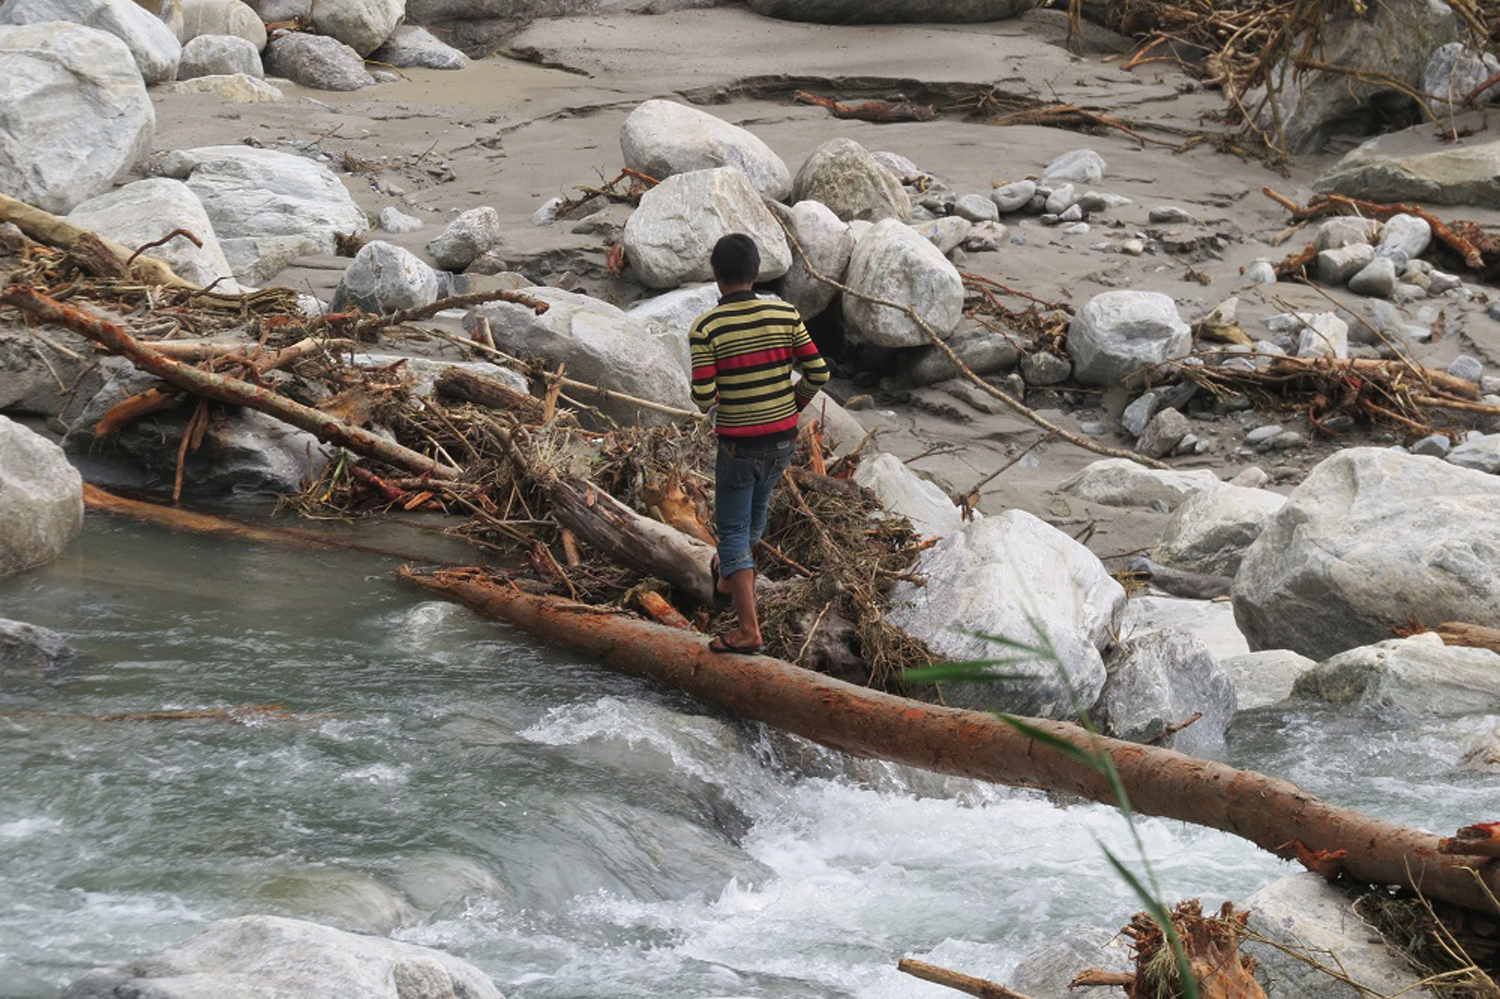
pixel 743 353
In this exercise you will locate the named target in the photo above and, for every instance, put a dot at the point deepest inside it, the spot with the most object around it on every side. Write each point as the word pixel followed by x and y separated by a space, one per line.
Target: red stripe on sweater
pixel 760 429
pixel 772 356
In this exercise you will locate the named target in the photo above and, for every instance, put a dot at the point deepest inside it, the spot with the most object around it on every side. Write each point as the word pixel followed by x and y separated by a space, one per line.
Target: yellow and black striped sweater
pixel 743 353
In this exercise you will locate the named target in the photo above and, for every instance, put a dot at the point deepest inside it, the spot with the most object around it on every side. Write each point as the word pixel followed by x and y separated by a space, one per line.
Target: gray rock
pixel 1314 919
pixel 1080 166
pixel 1454 71
pixel 1139 413
pixel 363 25
pixel 1263 435
pixel 75 115
pixel 1263 678
pixel 1118 333
pixel 267 207
pixel 827 243
pixel 1483 754
pixel 905 494
pixel 383 278
pixel 899 165
pixel 894 263
pixel 411 46
pixel 465 238
pixel 1405 234
pixel 976 208
pixel 153 46
pixel 222 17
pixel 145 211
pixel 1440 281
pixel 1418 675
pixel 1074 214
pixel 1013 197
pixel 664 138
pixel 1171 214
pixel 1122 482
pixel 1345 230
pixel 1165 431
pixel 219 55
pixel 1163 678
pixel 1211 530
pixel 669 238
pixel 1481 453
pixel 1322 335
pixel 41 499
pixel 1045 368
pixel 946 233
pixel 1338 266
pixel 291 959
pixel 236 88
pixel 1061 199
pixel 600 345
pixel 1467 367
pixel 1260 272
pixel 1044 973
pixel 28 651
pixel 890 11
pixel 983 350
pixel 1009 575
pixel 846 178
pixel 317 61
pixel 1433 446
pixel 396 222
pixel 1377 279
pixel 1286 440
pixel 1369 542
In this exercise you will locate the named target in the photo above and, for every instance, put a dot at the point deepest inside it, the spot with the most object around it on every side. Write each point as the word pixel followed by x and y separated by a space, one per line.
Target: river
pixel 572 832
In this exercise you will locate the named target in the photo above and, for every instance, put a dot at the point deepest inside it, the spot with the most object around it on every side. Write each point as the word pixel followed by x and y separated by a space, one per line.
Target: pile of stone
pixel 1382 260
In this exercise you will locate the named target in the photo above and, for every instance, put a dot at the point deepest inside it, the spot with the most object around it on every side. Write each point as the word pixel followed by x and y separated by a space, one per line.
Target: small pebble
pixel 1433 446
pixel 1466 367
pixel 1133 247
pixel 1287 439
pixel 1167 214
pixel 1072 214
pixel 1251 477
pixel 1078 229
pixel 1265 433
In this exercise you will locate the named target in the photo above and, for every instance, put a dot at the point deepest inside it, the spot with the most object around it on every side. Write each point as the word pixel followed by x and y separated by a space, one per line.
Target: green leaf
pixel 978 671
pixel 1090 760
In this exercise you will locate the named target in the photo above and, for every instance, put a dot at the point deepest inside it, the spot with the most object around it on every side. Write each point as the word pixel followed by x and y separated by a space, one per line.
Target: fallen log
pixel 456 383
pixel 862 722
pixel 222 389
pixel 1475 636
pixel 956 980
pixel 44 227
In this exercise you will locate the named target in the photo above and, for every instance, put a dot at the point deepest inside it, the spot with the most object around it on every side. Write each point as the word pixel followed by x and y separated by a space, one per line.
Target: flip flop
pixel 721 599
pixel 722 644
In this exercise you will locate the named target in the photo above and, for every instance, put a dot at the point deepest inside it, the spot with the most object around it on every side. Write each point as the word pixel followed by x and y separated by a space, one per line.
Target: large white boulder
pixel 1122 482
pixel 1418 675
pixel 827 245
pixel 893 263
pixel 853 184
pixel 600 345
pixel 152 44
pixel 363 25
pixel 321 62
pixel 267 207
pixel 1163 678
pixel 219 55
pixel 147 210
pixel 1210 531
pixel 383 278
pixel 906 494
pixel 1118 333
pixel 662 138
pixel 222 17
pixel 290 959
pixel 669 237
pixel 41 499
pixel 1208 621
pixel 1015 577
pixel 74 114
pixel 1371 541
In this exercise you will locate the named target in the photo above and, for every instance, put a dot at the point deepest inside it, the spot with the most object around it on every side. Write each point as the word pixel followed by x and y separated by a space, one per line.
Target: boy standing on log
pixel 744 350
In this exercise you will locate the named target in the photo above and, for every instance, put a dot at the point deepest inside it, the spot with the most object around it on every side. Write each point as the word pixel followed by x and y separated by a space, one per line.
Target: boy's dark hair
pixel 735 259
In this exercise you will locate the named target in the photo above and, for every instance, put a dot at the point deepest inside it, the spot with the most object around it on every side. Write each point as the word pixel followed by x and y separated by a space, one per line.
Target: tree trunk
pixel 1270 813
pixel 456 383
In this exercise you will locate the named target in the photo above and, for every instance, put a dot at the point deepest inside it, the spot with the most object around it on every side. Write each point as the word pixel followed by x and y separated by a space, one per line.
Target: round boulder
pixel 844 176
pixel 662 138
pixel 1210 531
pixel 222 17
pixel 465 238
pixel 1118 333
pixel 384 278
pixel 219 55
pixel 41 499
pixel 152 44
pixel 894 263
pixel 317 61
pixel 363 25
pixel 827 244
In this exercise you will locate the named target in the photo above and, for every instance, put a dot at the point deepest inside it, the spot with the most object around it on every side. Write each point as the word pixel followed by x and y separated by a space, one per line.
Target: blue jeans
pixel 743 479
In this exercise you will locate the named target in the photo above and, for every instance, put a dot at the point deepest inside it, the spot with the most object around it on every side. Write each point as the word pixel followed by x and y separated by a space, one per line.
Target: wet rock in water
pixel 1159 680
pixel 383 278
pixel 1211 530
pixel 412 46
pixel 316 61
pixel 75 115
pixel 663 138
pixel 219 55
pixel 1080 166
pixel 1042 367
pixel 904 493
pixel 1044 973
pixel 1369 542
pixel 600 345
pixel 1162 435
pixel 465 238
pixel 363 25
pixel 1006 576
pixel 1122 482
pixel 946 233
pixel 894 263
pixel 846 178
pixel 983 350
pixel 1345 230
pixel 145 211
pixel 669 238
pixel 1117 333
pixel 28 651
pixel 267 207
pixel 222 17
pixel 1483 754
pixel 1013 197
pixel 890 11
pixel 1306 914
pixel 236 88
pixel 153 46
pixel 1339 265
pixel 827 243
pixel 1480 453
pixel 1377 279
pixel 1266 677
pixel 291 959
pixel 41 499
pixel 395 221
pixel 1405 235
pixel 1418 675
pixel 1368 51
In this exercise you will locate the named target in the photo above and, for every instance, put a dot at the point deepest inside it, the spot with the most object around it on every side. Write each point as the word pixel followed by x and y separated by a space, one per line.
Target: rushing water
pixel 572 832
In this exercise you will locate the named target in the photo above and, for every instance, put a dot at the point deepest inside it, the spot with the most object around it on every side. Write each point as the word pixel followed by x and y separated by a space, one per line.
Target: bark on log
pixel 222 389
pixel 957 980
pixel 44 227
pixel 457 383
pixel 1267 811
pixel 1475 636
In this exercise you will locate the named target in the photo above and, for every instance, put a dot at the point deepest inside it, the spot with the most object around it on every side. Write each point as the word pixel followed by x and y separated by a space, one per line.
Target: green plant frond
pixel 1094 760
pixel 978 672
pixel 1162 918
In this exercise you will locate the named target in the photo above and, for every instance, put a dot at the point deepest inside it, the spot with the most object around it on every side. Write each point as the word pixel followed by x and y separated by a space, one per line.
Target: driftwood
pixel 1480 840
pixel 456 383
pixel 222 389
pixel 1338 204
pixel 957 980
pixel 876 111
pixel 44 227
pixel 1271 813
pixel 1473 635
